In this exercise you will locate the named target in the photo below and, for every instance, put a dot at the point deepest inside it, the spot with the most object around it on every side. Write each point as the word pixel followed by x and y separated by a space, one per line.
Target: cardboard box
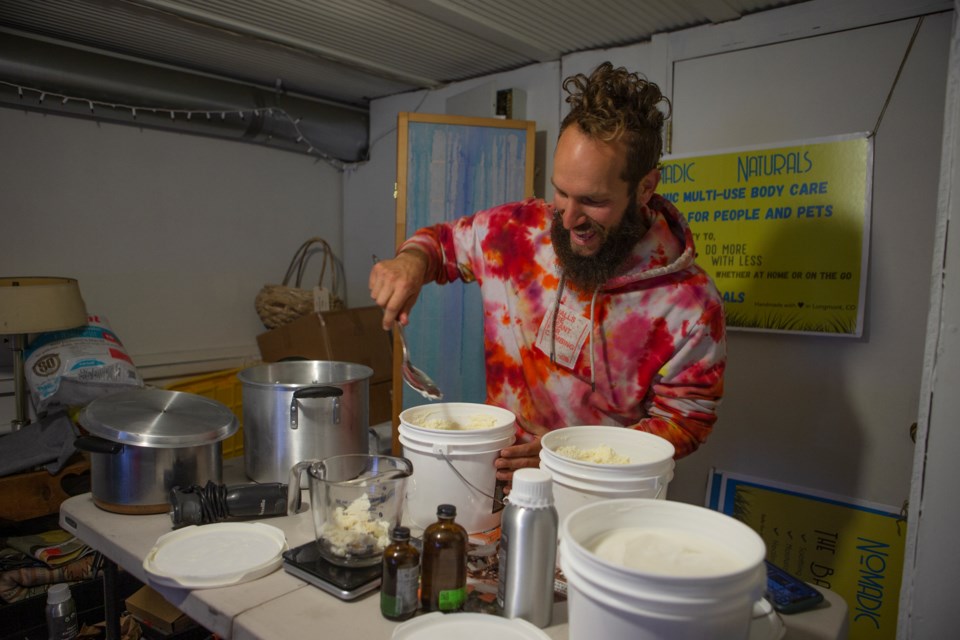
pixel 348 335
pixel 153 610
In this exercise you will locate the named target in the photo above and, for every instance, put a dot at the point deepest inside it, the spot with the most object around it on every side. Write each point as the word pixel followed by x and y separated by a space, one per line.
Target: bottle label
pixel 452 599
pixel 65 628
pixel 405 600
pixel 502 567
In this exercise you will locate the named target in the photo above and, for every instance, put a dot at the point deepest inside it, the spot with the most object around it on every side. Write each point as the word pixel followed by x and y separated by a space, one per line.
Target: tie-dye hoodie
pixel 646 350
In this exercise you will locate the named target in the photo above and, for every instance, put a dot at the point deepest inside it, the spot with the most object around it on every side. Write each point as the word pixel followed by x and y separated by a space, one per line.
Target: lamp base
pixel 20 383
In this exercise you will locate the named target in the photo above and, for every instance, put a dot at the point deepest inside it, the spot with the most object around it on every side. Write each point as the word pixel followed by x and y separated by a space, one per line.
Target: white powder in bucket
pixel 477 421
pixel 601 454
pixel 664 551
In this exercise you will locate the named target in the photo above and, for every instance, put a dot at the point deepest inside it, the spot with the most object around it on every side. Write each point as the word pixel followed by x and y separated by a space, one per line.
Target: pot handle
pixel 93 444
pixel 315 392
pixel 294 503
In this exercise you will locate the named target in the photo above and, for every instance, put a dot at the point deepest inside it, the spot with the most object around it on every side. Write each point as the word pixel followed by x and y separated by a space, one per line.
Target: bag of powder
pixel 75 366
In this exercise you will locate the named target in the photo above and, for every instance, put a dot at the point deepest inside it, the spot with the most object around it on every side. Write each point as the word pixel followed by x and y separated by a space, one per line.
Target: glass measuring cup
pixel 355 501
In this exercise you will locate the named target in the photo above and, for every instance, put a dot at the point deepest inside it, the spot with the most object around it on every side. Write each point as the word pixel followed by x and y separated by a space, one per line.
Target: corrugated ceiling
pixel 351 51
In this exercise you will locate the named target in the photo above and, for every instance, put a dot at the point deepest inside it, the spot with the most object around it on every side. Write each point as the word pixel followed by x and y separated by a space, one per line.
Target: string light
pixel 209 113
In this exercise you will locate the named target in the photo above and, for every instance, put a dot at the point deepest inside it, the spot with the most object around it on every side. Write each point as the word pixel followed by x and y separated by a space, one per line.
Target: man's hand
pixel 516 457
pixel 395 285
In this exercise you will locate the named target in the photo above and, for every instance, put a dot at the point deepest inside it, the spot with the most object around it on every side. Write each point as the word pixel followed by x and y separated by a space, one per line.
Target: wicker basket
pixel 280 304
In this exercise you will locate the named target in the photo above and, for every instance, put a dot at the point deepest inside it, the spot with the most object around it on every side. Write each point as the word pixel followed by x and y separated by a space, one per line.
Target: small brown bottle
pixel 401 577
pixel 443 579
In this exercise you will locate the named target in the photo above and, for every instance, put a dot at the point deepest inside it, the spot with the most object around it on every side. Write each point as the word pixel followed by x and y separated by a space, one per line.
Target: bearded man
pixel 595 311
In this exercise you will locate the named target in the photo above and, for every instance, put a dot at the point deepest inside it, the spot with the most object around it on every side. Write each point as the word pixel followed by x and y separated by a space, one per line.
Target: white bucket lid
pixel 204 557
pixel 586 522
pixel 466 626
pixel 459 413
pixel 649 454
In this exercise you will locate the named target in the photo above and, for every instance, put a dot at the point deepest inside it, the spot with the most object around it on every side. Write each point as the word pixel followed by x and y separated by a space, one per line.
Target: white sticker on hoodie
pixel 572 330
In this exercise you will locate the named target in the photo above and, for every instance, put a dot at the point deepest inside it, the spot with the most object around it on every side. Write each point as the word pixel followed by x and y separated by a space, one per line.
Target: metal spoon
pixel 415 378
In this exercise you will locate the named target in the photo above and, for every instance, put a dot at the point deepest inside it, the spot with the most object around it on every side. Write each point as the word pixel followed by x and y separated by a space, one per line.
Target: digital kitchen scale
pixel 346 583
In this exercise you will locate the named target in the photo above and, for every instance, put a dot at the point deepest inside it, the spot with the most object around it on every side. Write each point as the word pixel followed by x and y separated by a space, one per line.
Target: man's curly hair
pixel 615 104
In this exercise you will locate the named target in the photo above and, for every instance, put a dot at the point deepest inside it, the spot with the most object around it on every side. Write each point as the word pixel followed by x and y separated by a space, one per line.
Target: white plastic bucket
pixel 711 597
pixel 577 482
pixel 466 626
pixel 454 466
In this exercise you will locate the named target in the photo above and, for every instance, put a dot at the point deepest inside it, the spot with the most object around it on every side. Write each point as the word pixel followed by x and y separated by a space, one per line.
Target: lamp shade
pixel 36 305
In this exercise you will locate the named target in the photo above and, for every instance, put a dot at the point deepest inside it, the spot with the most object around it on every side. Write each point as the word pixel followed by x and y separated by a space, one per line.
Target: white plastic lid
pixel 466 626
pixel 215 555
pixel 532 488
pixel 58 593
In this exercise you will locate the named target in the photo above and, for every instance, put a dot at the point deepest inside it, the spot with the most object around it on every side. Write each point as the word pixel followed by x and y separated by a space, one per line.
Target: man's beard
pixel 590 272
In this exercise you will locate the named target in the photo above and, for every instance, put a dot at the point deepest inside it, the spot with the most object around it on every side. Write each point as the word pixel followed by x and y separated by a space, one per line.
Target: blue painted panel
pixel 454 170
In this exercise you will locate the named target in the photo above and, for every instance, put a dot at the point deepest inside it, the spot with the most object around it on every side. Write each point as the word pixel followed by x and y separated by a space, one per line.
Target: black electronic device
pixel 788 593
pixel 346 583
pixel 214 502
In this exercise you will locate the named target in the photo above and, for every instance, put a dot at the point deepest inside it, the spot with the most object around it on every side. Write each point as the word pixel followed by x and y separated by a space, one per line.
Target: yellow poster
pixel 851 547
pixel 783 231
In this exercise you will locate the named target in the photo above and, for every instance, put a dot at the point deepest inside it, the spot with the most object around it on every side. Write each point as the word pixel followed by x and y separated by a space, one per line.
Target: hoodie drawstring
pixel 593 370
pixel 556 310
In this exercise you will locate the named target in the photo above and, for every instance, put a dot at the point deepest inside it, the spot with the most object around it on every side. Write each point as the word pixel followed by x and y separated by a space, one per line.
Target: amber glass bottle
pixel 443 578
pixel 401 577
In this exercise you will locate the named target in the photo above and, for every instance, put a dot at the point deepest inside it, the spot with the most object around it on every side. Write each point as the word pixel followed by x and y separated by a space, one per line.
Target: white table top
pixel 280 606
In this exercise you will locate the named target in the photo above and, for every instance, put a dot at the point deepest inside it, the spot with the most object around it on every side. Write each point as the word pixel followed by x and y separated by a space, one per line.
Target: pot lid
pixel 159 418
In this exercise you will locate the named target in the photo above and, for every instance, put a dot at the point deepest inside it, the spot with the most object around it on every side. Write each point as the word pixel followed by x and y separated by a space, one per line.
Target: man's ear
pixel 648 185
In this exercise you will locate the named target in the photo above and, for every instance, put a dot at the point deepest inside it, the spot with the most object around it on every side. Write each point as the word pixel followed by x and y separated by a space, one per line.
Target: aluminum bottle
pixel 528 548
pixel 61 613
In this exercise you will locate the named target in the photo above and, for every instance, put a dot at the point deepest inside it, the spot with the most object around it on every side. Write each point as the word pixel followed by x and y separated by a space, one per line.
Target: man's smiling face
pixel 590 193
pixel 597 221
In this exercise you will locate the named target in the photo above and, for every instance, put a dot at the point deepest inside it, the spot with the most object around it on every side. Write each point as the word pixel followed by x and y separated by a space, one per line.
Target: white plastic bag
pixel 76 366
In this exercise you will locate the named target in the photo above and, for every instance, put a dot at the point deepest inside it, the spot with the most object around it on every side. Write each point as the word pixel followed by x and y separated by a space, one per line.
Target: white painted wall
pixel 170 235
pixel 833 414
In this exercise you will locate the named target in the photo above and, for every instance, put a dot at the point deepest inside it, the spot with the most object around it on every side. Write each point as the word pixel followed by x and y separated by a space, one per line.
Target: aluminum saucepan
pixel 144 442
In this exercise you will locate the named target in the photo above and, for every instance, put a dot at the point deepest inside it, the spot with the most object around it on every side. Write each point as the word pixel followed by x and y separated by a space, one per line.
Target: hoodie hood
pixel 667 246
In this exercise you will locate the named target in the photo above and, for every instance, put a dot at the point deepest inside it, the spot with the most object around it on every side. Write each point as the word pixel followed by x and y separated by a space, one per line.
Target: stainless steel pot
pixel 144 442
pixel 302 410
